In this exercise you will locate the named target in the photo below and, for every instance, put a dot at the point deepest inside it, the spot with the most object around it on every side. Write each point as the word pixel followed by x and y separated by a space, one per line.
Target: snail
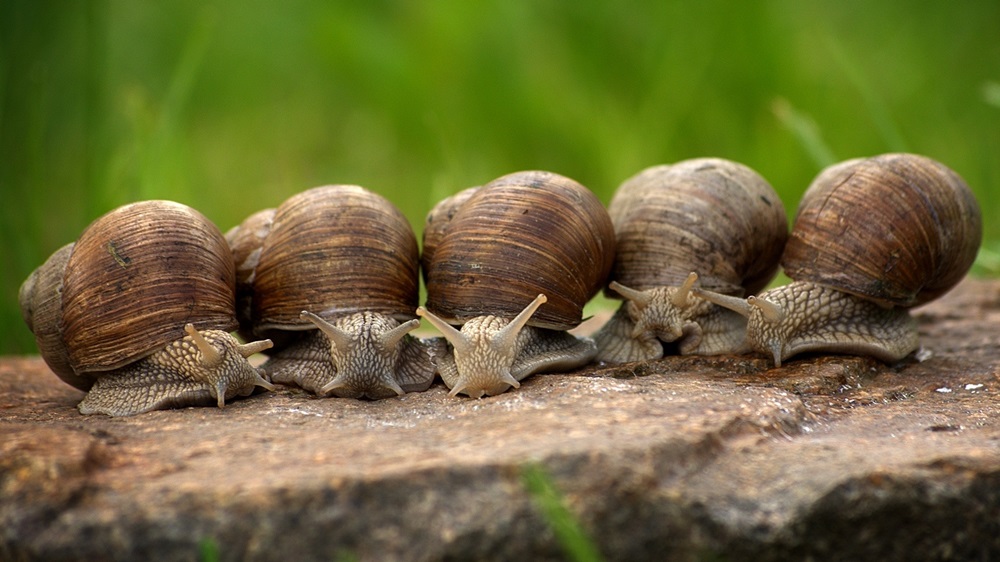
pixel 872 238
pixel 332 276
pixel 114 313
pixel 513 263
pixel 708 221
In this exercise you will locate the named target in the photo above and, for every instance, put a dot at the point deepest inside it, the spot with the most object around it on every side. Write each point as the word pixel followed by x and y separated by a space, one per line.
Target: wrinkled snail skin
pixel 332 276
pixel 873 238
pixel 115 313
pixel 643 323
pixel 204 368
pixel 802 317
pixel 508 267
pixel 361 355
pixel 708 222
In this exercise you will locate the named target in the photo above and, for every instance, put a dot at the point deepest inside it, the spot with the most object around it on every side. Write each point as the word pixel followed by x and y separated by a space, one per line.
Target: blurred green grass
pixel 233 106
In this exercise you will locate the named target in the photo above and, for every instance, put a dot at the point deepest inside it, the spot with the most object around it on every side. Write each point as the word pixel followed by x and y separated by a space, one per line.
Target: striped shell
pixel 714 217
pixel 898 229
pixel 521 235
pixel 332 250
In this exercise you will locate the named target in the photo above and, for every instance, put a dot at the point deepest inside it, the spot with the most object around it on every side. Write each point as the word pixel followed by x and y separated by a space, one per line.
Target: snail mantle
pixel 684 458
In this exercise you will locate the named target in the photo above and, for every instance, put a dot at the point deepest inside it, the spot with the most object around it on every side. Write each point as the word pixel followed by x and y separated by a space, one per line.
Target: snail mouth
pixel 374 387
pixel 472 393
pixel 668 333
pixel 671 334
pixel 502 383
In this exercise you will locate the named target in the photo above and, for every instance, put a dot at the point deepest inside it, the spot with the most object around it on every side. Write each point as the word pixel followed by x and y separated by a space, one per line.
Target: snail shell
pixel 872 238
pixel 897 229
pixel 437 222
pixel 345 260
pixel 111 311
pixel 711 216
pixel 492 256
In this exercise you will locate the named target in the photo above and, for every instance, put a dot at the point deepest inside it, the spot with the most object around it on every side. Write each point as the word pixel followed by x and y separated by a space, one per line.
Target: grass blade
pixel 876 107
pixel 805 130
pixel 208 550
pixel 569 533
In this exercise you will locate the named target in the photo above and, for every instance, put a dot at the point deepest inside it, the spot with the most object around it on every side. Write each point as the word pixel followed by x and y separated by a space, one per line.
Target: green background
pixel 232 106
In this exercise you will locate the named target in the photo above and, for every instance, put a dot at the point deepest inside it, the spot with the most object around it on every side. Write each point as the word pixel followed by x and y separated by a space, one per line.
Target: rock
pixel 687 458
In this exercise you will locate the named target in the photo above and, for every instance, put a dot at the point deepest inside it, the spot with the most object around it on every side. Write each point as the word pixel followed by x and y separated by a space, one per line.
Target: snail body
pixel 708 221
pixel 115 313
pixel 872 238
pixel 332 276
pixel 513 263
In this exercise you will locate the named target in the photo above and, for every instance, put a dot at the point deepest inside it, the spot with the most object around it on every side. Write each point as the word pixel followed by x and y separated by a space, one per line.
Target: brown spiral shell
pixel 437 222
pixel 127 287
pixel 898 229
pixel 332 250
pixel 715 217
pixel 523 234
pixel 41 307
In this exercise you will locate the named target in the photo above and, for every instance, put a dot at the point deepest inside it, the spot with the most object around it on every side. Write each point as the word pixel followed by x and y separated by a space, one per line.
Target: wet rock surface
pixel 687 458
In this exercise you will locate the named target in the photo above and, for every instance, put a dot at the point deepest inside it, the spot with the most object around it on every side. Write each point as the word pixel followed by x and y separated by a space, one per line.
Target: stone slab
pixel 686 458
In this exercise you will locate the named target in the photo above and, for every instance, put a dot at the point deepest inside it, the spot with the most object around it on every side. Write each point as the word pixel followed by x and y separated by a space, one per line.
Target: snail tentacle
pixel 680 296
pixel 456 338
pixel 736 304
pixel 640 298
pixel 772 311
pixel 210 358
pixel 338 338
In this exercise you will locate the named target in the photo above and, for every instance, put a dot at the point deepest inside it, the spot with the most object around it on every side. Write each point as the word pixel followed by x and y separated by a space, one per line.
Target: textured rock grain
pixel 829 457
